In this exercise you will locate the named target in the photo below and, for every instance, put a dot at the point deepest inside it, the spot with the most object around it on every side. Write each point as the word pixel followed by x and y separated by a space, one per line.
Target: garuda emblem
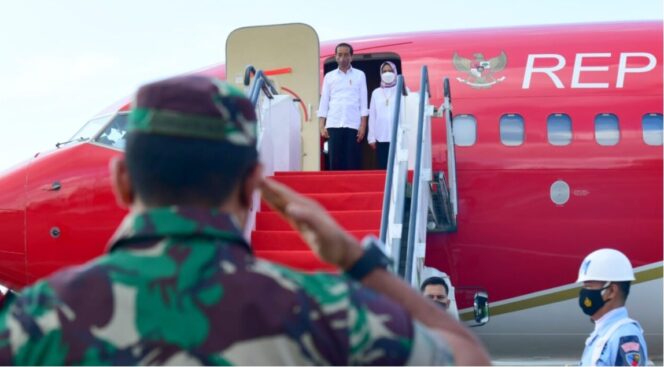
pixel 480 71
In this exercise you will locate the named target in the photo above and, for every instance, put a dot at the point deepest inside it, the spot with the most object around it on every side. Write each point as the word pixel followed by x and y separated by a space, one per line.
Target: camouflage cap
pixel 194 107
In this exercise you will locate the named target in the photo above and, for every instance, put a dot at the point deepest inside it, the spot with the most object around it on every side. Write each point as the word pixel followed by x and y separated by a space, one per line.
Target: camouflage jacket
pixel 181 286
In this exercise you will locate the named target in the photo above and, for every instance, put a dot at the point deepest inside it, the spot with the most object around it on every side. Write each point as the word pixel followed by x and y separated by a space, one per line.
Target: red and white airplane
pixel 559 153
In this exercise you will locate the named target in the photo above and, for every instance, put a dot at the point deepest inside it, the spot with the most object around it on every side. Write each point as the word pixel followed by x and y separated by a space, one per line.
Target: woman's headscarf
pixel 394 70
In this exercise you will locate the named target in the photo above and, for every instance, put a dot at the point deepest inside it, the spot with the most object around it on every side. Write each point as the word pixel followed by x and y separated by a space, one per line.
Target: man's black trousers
pixel 343 149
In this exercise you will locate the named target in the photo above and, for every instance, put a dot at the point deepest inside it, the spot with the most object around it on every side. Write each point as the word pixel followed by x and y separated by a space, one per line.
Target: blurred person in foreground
pixel 180 285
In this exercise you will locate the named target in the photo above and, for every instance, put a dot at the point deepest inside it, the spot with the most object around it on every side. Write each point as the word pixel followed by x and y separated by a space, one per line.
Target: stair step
pixel 349 220
pixel 339 183
pixel 300 260
pixel 344 201
pixel 353 198
pixel 289 240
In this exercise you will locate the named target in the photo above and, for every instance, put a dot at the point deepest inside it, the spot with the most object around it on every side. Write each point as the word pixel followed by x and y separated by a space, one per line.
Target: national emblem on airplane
pixel 480 71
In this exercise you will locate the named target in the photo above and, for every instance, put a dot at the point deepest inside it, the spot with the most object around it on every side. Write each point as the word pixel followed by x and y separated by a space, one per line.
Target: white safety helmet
pixel 606 265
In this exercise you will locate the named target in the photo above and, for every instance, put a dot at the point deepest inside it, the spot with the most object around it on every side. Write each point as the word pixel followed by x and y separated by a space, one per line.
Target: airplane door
pixel 289 54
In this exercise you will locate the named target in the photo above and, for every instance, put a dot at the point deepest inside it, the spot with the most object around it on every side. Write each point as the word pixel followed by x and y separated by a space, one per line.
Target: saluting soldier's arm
pixel 335 246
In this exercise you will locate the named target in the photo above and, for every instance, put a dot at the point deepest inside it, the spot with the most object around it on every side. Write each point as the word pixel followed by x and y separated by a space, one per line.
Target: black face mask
pixel 590 300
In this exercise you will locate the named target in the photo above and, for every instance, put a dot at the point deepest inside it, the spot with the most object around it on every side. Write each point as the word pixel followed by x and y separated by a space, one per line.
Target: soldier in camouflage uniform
pixel 180 285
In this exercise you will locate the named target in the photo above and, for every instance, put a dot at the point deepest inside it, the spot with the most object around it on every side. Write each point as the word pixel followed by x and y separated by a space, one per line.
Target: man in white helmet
pixel 617 340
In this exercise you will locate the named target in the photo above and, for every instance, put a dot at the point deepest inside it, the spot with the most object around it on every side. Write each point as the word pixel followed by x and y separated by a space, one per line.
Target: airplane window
pixel 652 129
pixel 559 129
pixel 511 129
pixel 90 128
pixel 113 134
pixel 464 128
pixel 607 131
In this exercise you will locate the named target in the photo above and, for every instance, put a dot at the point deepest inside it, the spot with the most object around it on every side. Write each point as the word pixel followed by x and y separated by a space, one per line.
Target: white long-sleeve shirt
pixel 343 100
pixel 381 115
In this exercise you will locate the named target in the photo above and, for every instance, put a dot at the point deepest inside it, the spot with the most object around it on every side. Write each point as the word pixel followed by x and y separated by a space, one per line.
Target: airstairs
pixel 400 204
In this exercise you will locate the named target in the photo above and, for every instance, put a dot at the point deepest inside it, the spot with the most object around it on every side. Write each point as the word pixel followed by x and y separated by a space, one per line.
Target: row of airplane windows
pixel 559 129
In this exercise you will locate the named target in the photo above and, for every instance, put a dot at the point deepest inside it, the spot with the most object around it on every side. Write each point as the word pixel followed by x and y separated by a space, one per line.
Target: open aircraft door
pixel 289 55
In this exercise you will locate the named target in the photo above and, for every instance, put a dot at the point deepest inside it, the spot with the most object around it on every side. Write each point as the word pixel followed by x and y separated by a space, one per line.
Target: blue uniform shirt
pixel 625 346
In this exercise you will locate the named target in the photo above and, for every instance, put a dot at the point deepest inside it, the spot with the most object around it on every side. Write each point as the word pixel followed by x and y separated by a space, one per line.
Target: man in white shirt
pixel 342 114
pixel 436 290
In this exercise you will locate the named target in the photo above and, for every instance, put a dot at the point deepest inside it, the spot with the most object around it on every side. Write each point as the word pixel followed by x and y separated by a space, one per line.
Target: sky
pixel 61 62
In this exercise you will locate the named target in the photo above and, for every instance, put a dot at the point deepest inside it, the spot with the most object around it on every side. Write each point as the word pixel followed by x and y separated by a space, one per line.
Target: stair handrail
pixel 451 146
pixel 261 83
pixel 387 223
pixel 421 145
pixel 249 71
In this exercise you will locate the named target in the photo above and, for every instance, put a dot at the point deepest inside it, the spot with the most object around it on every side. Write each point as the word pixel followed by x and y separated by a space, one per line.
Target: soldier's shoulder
pixel 315 283
pixel 70 284
pixel 323 287
pixel 79 275
pixel 380 331
pixel 339 290
pixel 627 329
pixel 630 351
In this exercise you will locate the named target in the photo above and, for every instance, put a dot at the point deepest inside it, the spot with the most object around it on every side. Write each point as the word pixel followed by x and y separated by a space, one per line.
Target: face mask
pixel 590 300
pixel 387 77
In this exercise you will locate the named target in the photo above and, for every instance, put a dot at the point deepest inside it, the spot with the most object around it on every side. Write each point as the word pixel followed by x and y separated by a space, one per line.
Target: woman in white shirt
pixel 381 113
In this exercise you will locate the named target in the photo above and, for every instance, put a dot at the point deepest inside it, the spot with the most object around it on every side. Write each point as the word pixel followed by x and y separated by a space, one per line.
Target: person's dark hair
pixel 435 281
pixel 343 44
pixel 624 288
pixel 167 170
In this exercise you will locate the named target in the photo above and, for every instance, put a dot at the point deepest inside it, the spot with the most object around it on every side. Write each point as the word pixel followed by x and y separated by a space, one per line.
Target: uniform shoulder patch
pixel 630 352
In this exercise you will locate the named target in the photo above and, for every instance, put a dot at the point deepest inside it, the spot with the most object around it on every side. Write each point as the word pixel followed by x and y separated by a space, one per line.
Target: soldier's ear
pixel 250 185
pixel 120 182
pixel 613 291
